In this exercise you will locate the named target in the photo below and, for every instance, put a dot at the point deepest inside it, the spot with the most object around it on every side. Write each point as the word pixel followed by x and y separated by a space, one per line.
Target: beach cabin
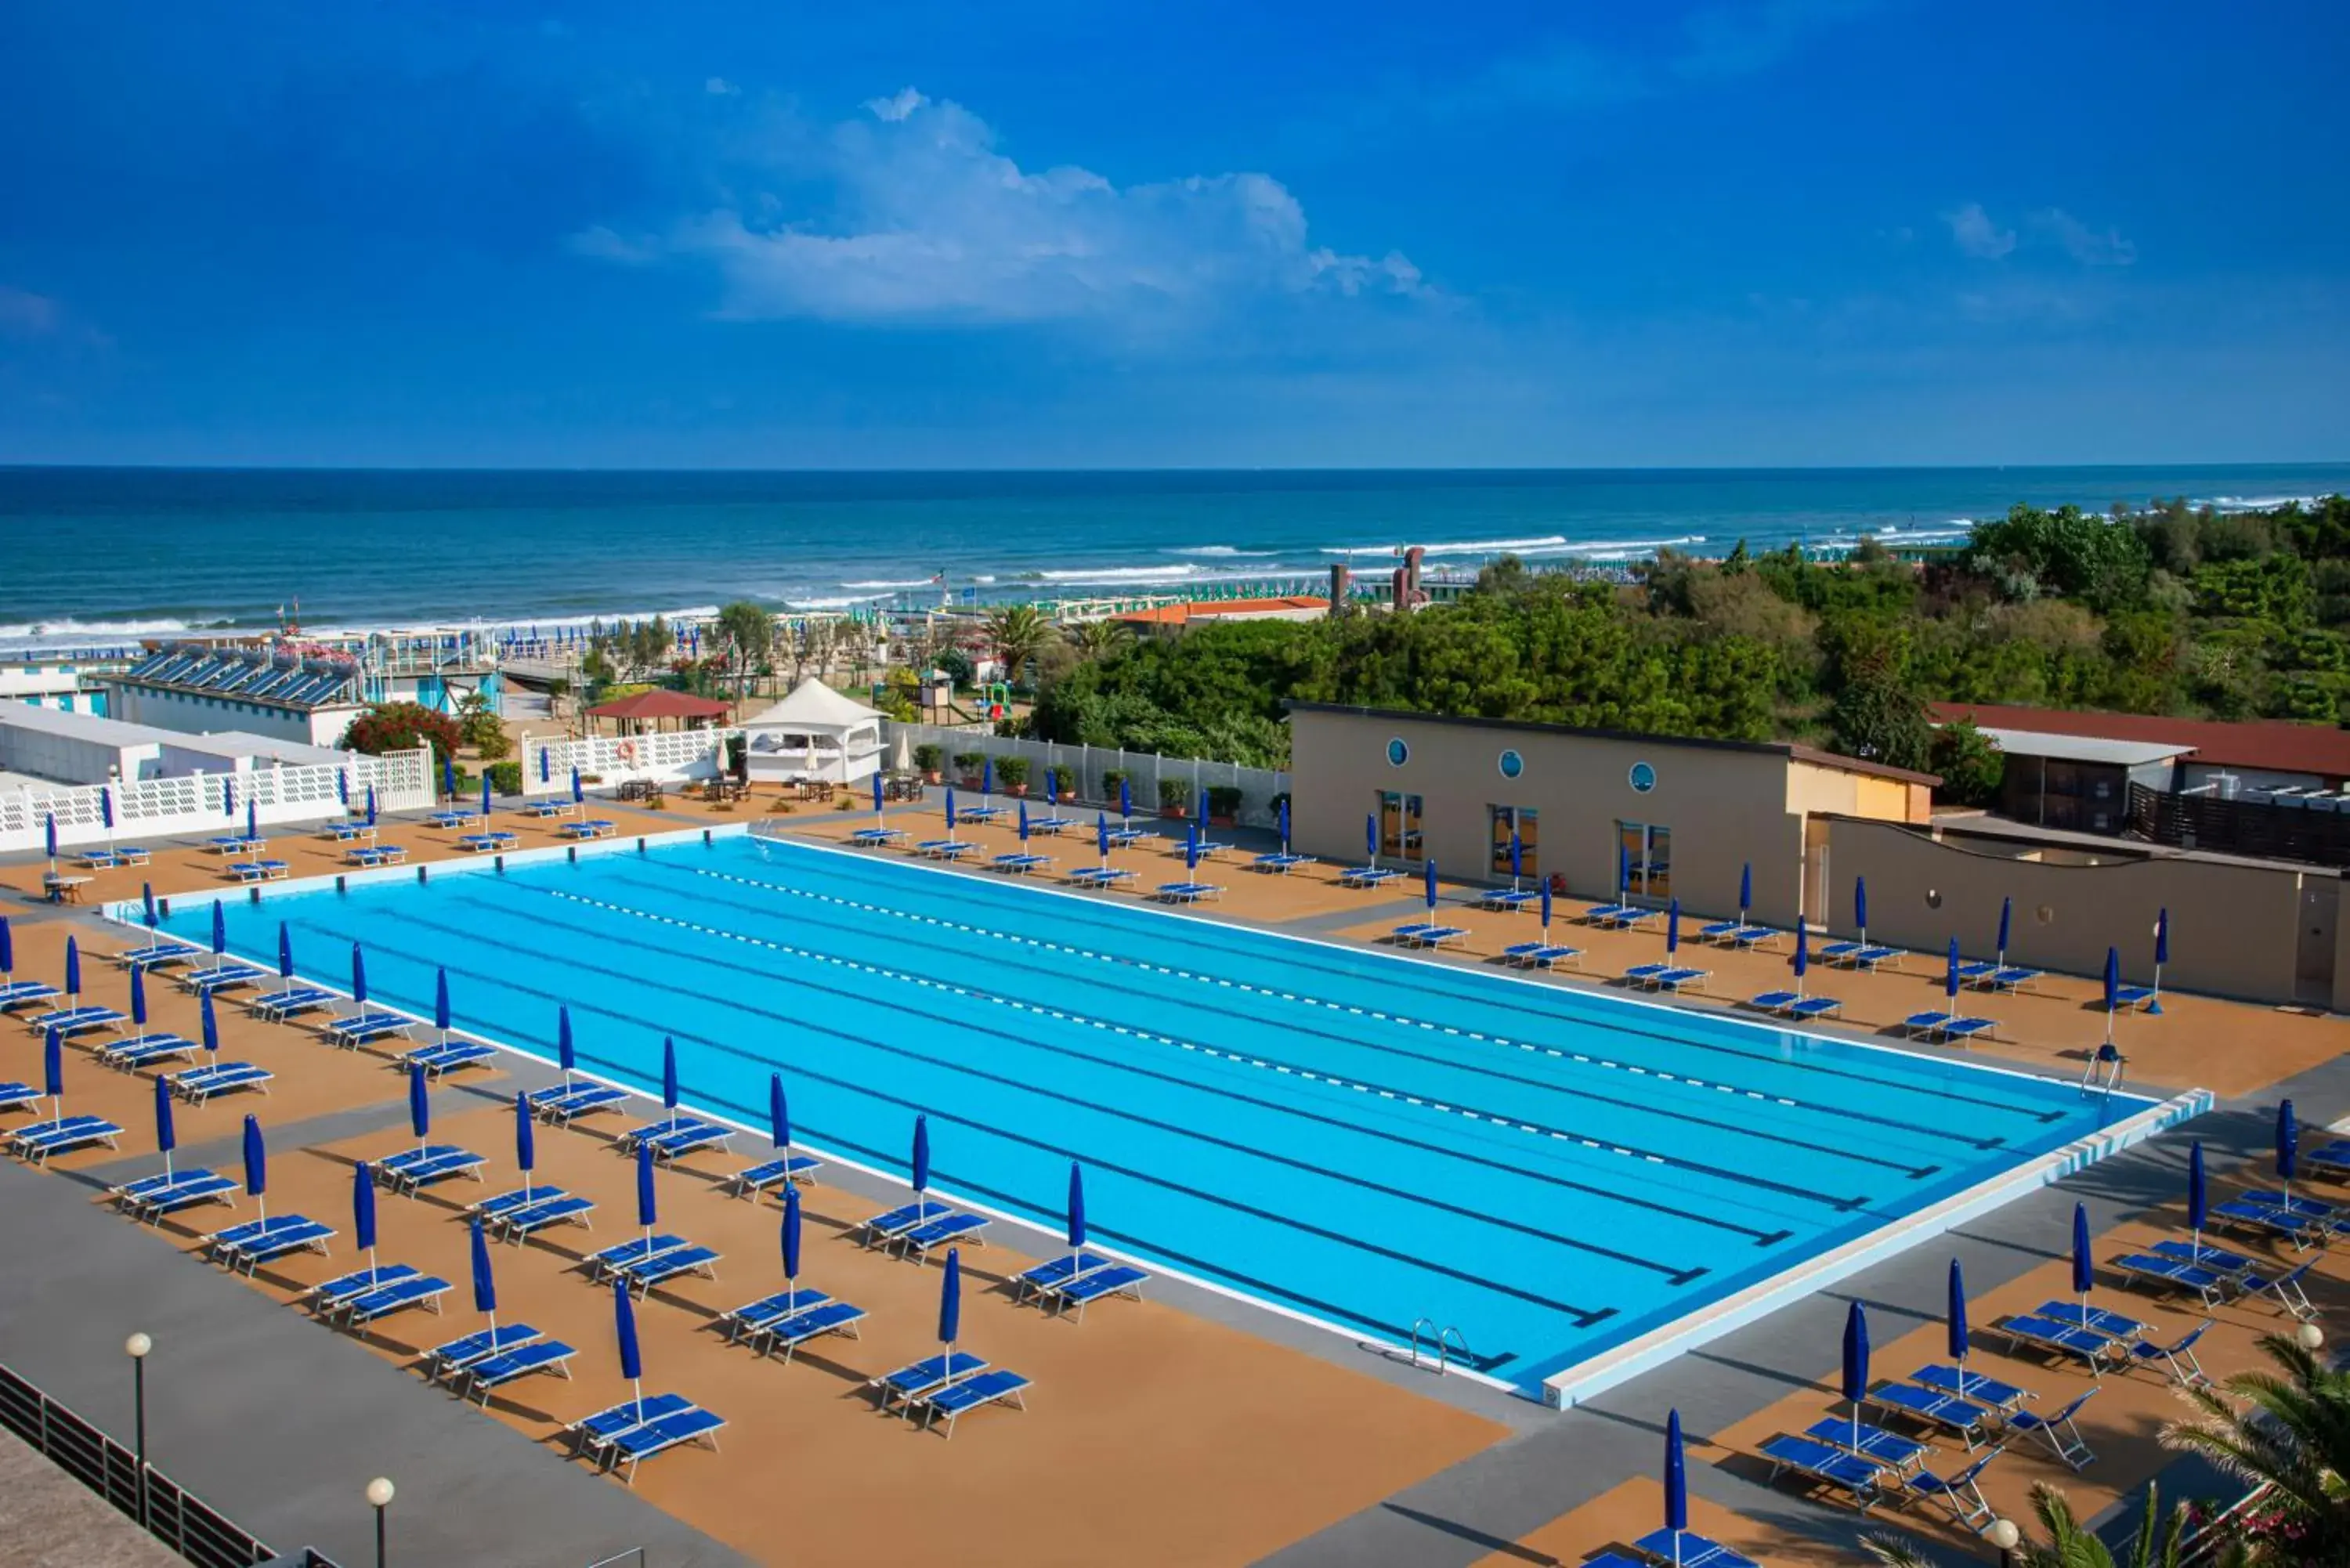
pixel 814 734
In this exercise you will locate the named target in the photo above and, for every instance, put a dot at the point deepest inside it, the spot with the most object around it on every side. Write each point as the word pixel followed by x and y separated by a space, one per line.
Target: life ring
pixel 627 752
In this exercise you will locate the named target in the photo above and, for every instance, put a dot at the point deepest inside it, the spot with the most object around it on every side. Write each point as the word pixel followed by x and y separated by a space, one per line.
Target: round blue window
pixel 1644 777
pixel 1511 765
pixel 1398 752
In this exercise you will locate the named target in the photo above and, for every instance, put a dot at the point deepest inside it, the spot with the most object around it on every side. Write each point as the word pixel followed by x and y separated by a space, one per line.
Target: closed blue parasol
pixel 1856 1364
pixel 420 1106
pixel 1125 801
pixel 8 950
pixel 1431 879
pixel 1860 906
pixel 648 1210
pixel 228 798
pixel 791 1242
pixel 2084 1267
pixel 545 765
pixel 1101 835
pixel 1955 1320
pixel 1052 788
pixel 1371 837
pixel 166 1137
pixel 485 1285
pixel 208 1025
pixel 1623 871
pixel 951 1304
pixel 986 779
pixel 578 795
pixel 1676 1478
pixel 877 796
pixel 449 775
pixel 363 1213
pixel 2287 1145
pixel 256 1166
pixel 441 1001
pixel 951 811
pixel 106 810
pixel 73 970
pixel 2199 1194
pixel 485 797
pixel 1950 973
pixel 566 1054
pixel 669 1092
pixel 1517 859
pixel 147 903
pixel 251 822
pixel 220 929
pixel 1284 826
pixel 49 836
pixel 359 977
pixel 371 802
pixel 526 1139
pixel 1802 958
pixel 1673 926
pixel 2006 914
pixel 1745 890
pixel 53 1068
pixel 2112 990
pixel 624 1327
pixel 2162 956
pixel 1192 847
pixel 284 952
pixel 1077 1211
pixel 1024 821
pixel 138 996
pixel 779 1116
pixel 922 1165
pixel 1545 910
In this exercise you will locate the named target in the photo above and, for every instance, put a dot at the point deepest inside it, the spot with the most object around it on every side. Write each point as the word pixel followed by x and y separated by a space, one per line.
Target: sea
pixel 94 554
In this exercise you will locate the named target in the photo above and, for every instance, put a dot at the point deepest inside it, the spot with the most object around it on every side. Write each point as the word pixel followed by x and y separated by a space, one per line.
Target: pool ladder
pixel 1444 1341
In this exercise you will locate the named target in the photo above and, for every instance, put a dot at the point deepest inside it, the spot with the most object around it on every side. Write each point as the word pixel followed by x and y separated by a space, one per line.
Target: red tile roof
pixel 660 703
pixel 1211 609
pixel 2272 745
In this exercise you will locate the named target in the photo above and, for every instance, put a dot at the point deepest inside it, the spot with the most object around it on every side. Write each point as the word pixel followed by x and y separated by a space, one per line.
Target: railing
pixel 199 802
pixel 182 1520
pixel 1444 1341
pixel 1082 767
pixel 669 755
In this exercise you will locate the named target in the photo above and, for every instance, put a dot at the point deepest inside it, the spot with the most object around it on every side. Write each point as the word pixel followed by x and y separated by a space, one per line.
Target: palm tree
pixel 2160 1538
pixel 1016 633
pixel 1096 639
pixel 2287 1431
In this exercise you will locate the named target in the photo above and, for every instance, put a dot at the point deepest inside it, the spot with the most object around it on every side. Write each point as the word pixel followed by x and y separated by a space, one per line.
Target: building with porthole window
pixel 1663 815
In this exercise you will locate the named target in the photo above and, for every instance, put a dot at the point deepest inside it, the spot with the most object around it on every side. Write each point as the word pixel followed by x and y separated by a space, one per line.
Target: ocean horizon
pixel 118 553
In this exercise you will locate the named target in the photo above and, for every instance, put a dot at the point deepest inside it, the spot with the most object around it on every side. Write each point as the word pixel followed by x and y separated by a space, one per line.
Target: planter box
pixel 1173 813
pixel 1216 821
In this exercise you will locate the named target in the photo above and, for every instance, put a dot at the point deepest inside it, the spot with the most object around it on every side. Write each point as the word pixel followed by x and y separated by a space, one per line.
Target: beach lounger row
pixel 1098 876
pixel 38 1141
pixel 1280 865
pixel 1366 877
pixel 69 1021
pixel 1944 1027
pixel 244 1248
pixel 1862 955
pixel 1078 1279
pixel 156 955
pixel 675 1136
pixel 116 857
pixel 260 871
pixel 1667 977
pixel 489 843
pixel 1867 1480
pixel 1795 1004
pixel 1542 955
pixel 221 977
pixel 1427 934
pixel 197 1084
pixel 151 1197
pixel 596 827
pixel 1187 892
pixel 563 1103
pixel 627 1434
pixel 368 856
pixel 1735 934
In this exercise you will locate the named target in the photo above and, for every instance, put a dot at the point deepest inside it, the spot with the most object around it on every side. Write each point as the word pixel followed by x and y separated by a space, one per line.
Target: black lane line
pixel 1915 1172
pixel 1118 1064
pixel 1673 1275
pixel 1407 980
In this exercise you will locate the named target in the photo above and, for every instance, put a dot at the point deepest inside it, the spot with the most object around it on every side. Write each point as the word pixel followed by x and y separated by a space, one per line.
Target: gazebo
pixel 647 711
pixel 815 733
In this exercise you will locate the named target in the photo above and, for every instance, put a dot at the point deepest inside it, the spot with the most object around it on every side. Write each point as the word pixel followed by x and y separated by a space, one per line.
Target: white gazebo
pixel 814 734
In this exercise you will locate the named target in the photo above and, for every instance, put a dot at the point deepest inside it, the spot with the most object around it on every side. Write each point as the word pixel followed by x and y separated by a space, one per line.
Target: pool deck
pixel 1138 1414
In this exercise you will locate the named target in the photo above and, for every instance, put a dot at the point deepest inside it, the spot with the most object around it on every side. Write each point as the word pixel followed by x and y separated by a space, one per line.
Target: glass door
pixel 1524 822
pixel 1647 859
pixel 1399 837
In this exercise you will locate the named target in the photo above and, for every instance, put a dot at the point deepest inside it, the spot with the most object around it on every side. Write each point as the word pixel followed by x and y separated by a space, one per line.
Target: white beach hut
pixel 814 734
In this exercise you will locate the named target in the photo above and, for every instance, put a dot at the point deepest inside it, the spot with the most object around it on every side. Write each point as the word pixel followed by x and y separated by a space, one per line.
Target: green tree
pixel 2065 1541
pixel 1014 633
pixel 1099 637
pixel 1972 767
pixel 480 729
pixel 748 634
pixel 2079 555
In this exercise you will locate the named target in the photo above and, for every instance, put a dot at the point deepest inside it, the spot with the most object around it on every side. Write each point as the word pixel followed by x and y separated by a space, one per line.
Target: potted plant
pixel 927 757
pixel 1174 797
pixel 1012 773
pixel 1223 805
pixel 1110 779
pixel 968 764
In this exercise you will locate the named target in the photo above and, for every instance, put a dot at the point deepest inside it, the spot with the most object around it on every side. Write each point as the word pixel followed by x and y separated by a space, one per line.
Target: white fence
pixel 1081 768
pixel 669 756
pixel 202 803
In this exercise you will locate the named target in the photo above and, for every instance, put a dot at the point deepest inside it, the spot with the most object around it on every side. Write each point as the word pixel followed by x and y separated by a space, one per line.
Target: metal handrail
pixel 1444 1339
pixel 633 1554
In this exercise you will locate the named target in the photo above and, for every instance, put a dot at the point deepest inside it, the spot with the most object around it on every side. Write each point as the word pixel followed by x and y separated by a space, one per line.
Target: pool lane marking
pixel 1332 1005
pixel 1564 1134
pixel 1913 1171
pixel 853 866
pixel 1585 1316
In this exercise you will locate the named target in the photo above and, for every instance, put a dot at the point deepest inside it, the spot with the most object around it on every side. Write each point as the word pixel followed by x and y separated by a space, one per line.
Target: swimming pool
pixel 1363 1139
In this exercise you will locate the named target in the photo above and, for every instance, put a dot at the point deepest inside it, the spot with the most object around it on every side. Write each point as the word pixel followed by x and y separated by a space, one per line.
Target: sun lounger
pixel 280 1005
pixel 2216 1258
pixel 71 1021
pixel 946 848
pixel 1095 1285
pixel 1968 1420
pixel 1715 930
pixel 634 1445
pixel 1427 934
pixel 2177 1358
pixel 346 831
pixel 369 855
pixel 751 1317
pixel 461 1353
pixel 356 1029
pixel 229 844
pixel 1542 955
pixel 675 1263
pixel 2130 998
pixel 230 1238
pixel 1731 934
pixel 1021 865
pixel 119 855
pixel 2302 1208
pixel 597 827
pixel 16 993
pixel 16 1096
pixel 1944 1026
pixel 198 1085
pixel 445 819
pixel 1893 1450
pixel 1366 877
pixel 39 1140
pixel 388 1168
pixel 1626 918
pixel 991 1387
pixel 492 1373
pixel 1607 914
pixel 686 1136
pixel 1640 974
pixel 1052 827
pixel 156 955
pixel 332 1292
pixel 891 1223
pixel 984 813
pixel 447 1057
pixel 158 1196
pixel 941 1231
pixel 625 1255
pixel 2113 1325
pixel 783 1167
pixel 479 843
pixel 259 870
pixel 2146 1268
pixel 1971 1385
pixel 1122 837
pixel 1959 1495
pixel 873 837
pixel 1788 1004
pixel 2331 1157
pixel 1679 980
pixel 1507 897
pixel 1281 865
pixel 1098 876
pixel 2060 1337
pixel 146 1050
pixel 2058 1430
pixel 1187 892
pixel 1823 1464
pixel 284 1234
pixel 521 1224
pixel 910 1382
pixel 787 1333
pixel 2286 1289
pixel 415 1177
pixel 2302 1231
pixel 221 978
pixel 1687 1549
pixel 1056 1272
pixel 592 1432
pixel 561 1104
pixel 516 1198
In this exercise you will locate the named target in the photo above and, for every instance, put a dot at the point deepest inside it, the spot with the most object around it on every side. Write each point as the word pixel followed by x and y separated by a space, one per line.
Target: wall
pixel 159 808
pixel 196 714
pixel 2233 925
pixel 1081 768
pixel 1726 806
pixel 669 756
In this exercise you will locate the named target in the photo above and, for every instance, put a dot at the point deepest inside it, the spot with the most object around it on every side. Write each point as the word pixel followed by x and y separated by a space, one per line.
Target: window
pixel 1523 821
pixel 1398 752
pixel 1511 764
pixel 1642 778
pixel 1400 825
pixel 1647 863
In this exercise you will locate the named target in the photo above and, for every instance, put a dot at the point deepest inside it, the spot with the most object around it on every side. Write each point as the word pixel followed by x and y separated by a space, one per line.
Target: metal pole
pixel 139 1402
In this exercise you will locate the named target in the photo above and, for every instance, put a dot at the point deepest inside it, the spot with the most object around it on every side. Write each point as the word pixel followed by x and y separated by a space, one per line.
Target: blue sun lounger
pixel 413 1178
pixel 1791 1005
pixel 16 1096
pixel 2130 998
pixel 330 1293
pixel 874 837
pixel 751 1317
pixel 2327 1214
pixel 946 848
pixel 594 827
pixel 789 1332
pixel 2058 1337
pixel 591 1433
pixel 2178 1358
pixel 2219 1259
pixel 2287 1290
pixel 561 1104
pixel 1639 973
pixel 1093 1285
pixel 447 1057
pixel 457 1354
pixel 622 1256
pixel 346 830
pixel 1427 934
pixel 910 1382
pixel 1824 1465
pixel 277 1006
pixel 2111 1324
pixel 1965 1419
pixel 146 1050
pixel 521 1224
pixel 1943 1026
pixel 663 1267
pixel 2058 1430
pixel 1893 1451
pixel 1960 1496
pixel 156 955
pixel 2303 1231
pixel 1542 955
pixel 1607 914
pixel 1508 897
pixel 516 1198
pixel 284 1234
pixel 2210 1285
pixel 492 1373
pixel 356 1029
pixel 197 1084
pixel 259 870
pixel 445 819
pixel 368 856
pixel 984 813
pixel 941 1231
pixel 1280 865
pixel 219 978
pixel 1676 979
pixel 69 1021
pixel 891 1223
pixel 488 843
pixel 1366 877
pixel 114 857
pixel 151 1198
pixel 1973 1387
pixel 634 1445
pixel 991 1387
pixel 1098 876
pixel 1691 1550
pixel 2332 1157
pixel 1055 1272
pixel 16 993
pixel 1187 892
pixel 1021 865
pixel 758 1178
pixel 39 1140
pixel 672 1140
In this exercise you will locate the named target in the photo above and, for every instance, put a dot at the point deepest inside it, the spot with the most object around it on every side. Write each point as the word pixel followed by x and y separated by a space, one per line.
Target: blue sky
pixel 1215 232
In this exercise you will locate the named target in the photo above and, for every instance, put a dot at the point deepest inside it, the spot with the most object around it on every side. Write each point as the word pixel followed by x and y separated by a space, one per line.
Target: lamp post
pixel 136 1347
pixel 378 1495
pixel 2004 1535
pixel 2309 1335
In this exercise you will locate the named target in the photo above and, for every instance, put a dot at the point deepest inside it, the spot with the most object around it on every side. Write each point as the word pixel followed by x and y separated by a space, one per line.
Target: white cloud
pixel 927 222
pixel 2082 243
pixel 1972 231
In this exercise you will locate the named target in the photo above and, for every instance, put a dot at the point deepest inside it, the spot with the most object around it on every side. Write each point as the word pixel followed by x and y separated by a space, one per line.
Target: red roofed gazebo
pixel 651 711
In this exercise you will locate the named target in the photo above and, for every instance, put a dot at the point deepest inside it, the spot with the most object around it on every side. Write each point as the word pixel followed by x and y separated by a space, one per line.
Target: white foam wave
pixel 50 631
pixel 893 583
pixel 1455 547
pixel 2254 503
pixel 1223 551
pixel 1175 577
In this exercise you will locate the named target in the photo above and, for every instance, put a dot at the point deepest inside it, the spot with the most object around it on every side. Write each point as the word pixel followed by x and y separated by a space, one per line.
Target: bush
pixel 505 778
pixel 1111 778
pixel 1971 766
pixel 1223 800
pixel 389 727
pixel 1174 793
pixel 1011 771
pixel 1277 802
pixel 927 756
pixel 970 761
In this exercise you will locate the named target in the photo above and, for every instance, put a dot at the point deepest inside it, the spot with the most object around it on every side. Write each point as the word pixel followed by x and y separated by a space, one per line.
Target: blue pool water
pixel 1362 1138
